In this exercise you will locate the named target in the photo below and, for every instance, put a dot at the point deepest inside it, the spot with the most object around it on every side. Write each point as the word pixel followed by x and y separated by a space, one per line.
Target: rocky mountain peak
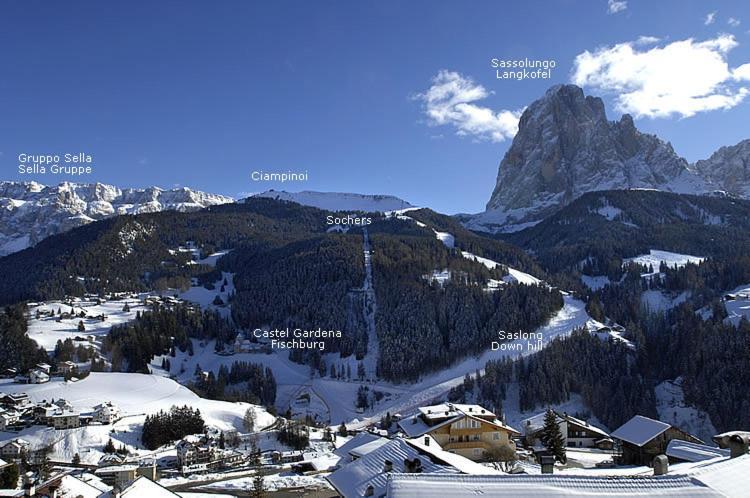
pixel 728 169
pixel 565 146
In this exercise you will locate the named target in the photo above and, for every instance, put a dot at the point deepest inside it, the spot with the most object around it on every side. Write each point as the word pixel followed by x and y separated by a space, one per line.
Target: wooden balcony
pixel 456 445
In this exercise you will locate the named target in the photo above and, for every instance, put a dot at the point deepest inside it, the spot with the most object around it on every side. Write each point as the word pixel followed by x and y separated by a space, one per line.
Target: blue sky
pixel 202 93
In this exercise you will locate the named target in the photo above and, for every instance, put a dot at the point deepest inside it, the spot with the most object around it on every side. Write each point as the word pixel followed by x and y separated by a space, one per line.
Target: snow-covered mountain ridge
pixel 338 201
pixel 30 211
pixel 565 147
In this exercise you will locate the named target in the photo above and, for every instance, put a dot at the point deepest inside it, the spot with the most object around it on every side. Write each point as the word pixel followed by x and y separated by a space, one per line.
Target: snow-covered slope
pixel 337 201
pixel 137 395
pixel 30 211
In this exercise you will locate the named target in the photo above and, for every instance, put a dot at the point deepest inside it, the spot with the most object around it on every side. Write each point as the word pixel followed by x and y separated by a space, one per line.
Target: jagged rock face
pixel 565 147
pixel 29 211
pixel 728 169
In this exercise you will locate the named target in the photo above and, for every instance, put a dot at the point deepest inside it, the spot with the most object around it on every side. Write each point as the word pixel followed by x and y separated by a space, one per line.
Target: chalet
pixel 44 367
pixel 43 413
pixel 66 367
pixel 8 418
pixel 118 475
pixel 468 430
pixel 9 373
pixel 65 420
pixel 14 449
pixel 63 404
pixel 576 432
pixel 193 453
pixel 641 439
pixel 200 454
pixel 107 413
pixel 38 377
pixel 284 457
pixel 19 401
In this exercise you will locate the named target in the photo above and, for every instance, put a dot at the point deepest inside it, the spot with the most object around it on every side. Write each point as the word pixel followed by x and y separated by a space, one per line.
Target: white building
pixel 65 420
pixel 8 418
pixel 14 449
pixel 107 413
pixel 38 377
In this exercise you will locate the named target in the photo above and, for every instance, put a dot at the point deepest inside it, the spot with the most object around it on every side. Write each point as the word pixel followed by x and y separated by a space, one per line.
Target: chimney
pixel 738 445
pixel 427 440
pixel 661 465
pixel 471 409
pixel 387 466
pixel 369 491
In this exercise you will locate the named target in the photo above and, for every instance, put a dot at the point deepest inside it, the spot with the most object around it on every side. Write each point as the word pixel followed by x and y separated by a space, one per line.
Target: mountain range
pixel 30 212
pixel 565 147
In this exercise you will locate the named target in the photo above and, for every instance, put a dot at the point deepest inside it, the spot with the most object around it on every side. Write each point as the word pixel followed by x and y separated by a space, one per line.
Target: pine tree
pixel 552 437
pixel 76 459
pixel 343 432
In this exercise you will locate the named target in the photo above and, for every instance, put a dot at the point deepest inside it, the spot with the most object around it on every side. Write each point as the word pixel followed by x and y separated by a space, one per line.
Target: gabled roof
pixel 639 430
pixel 143 487
pixel 73 487
pixel 355 442
pixel 353 479
pixel 693 452
pixel 415 426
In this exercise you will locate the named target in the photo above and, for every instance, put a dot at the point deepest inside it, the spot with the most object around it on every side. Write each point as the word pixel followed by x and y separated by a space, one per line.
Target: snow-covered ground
pixel 671 406
pixel 595 283
pixel 656 300
pixel 273 482
pixel 672 259
pixel 136 395
pixel 739 306
pixel 339 201
pixel 46 330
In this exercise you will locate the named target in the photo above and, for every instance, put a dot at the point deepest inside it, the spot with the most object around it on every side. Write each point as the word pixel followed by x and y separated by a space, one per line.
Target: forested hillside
pixel 130 253
pixel 600 229
pixel 425 326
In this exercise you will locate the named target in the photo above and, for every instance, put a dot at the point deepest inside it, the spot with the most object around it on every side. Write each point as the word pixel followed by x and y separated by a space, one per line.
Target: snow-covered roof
pixel 731 477
pixel 639 430
pixel 366 448
pixel 436 412
pixel 143 486
pixel 533 486
pixel 416 425
pixel 73 487
pixel 354 478
pixel 693 452
pixel 356 441
pixel 462 464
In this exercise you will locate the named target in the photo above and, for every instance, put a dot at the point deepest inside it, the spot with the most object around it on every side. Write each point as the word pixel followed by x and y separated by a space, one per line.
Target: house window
pixel 476 437
pixel 495 436
pixel 477 452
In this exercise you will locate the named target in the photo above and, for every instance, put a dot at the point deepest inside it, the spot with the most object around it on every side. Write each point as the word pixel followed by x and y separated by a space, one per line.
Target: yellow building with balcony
pixel 467 430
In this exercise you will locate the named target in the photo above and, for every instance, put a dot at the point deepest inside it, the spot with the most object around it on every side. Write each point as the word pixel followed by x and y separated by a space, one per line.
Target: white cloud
pixel 615 6
pixel 710 18
pixel 742 72
pixel 450 101
pixel 681 78
pixel 733 22
pixel 647 40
